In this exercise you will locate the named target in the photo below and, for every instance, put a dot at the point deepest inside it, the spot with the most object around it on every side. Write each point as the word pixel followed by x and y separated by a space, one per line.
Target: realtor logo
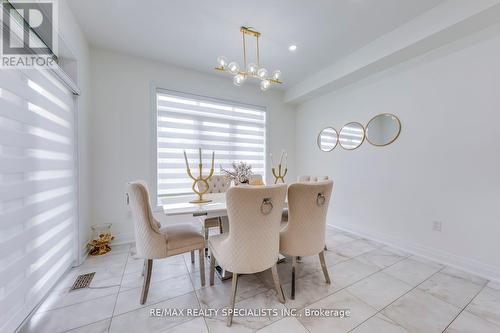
pixel 28 33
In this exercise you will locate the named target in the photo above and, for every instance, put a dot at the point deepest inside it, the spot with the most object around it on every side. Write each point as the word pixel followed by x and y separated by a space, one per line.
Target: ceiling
pixel 193 34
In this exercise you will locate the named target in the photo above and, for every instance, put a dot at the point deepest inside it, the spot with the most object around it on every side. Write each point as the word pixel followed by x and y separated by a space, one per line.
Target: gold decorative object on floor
pixel 279 176
pixel 101 239
pixel 200 179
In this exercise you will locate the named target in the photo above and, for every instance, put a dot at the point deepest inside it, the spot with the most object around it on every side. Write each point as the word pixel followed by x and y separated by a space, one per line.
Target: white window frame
pixel 154 160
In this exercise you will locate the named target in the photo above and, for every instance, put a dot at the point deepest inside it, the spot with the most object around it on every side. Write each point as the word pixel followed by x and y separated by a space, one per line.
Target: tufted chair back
pixel 304 235
pixel 216 184
pixel 302 179
pixel 254 227
pixel 150 242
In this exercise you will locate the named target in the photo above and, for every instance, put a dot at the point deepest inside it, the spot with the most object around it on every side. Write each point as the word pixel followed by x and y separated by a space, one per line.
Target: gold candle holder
pixel 279 176
pixel 199 179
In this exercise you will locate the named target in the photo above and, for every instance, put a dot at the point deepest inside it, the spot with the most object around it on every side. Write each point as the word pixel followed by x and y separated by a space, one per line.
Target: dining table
pixel 216 208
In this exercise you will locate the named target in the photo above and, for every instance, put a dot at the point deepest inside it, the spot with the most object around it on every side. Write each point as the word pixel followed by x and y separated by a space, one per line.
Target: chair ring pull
pixel 320 199
pixel 266 207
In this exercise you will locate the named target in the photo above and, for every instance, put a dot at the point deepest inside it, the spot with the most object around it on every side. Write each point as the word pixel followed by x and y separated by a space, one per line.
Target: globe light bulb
pixel 262 73
pixel 264 85
pixel 276 75
pixel 252 68
pixel 233 67
pixel 222 61
pixel 238 79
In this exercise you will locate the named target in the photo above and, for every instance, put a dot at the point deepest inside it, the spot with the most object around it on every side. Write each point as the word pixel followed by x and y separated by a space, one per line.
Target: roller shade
pixel 235 132
pixel 37 189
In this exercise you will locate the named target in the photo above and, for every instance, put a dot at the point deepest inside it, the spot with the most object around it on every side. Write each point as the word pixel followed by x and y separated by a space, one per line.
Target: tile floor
pixel 385 290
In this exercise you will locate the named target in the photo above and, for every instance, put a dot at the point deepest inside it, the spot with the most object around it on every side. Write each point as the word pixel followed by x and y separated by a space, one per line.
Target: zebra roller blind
pixel 235 132
pixel 37 189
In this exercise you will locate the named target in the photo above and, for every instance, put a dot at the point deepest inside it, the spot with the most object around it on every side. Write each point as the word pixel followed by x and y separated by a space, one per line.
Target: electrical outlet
pixel 437 226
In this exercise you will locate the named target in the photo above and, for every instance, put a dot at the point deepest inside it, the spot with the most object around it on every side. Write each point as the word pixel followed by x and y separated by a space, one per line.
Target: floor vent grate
pixel 83 281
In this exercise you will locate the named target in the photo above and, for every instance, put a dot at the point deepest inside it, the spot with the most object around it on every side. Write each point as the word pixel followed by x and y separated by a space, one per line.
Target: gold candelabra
pixel 280 176
pixel 199 190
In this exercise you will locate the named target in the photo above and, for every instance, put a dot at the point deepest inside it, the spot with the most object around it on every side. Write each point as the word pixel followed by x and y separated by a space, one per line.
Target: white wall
pixel 76 42
pixel 121 143
pixel 444 166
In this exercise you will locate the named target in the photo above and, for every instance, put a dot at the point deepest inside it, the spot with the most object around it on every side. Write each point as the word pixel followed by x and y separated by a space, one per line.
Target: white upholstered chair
pixel 252 243
pixel 304 234
pixel 216 184
pixel 154 242
pixel 302 179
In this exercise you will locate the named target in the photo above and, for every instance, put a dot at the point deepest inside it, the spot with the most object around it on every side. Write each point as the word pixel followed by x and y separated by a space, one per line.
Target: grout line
pixel 78 327
pixel 380 311
pixel 121 281
pixel 193 282
pixel 466 305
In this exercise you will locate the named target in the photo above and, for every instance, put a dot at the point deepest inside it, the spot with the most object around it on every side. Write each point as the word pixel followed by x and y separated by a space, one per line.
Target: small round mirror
pixel 327 139
pixel 383 129
pixel 352 136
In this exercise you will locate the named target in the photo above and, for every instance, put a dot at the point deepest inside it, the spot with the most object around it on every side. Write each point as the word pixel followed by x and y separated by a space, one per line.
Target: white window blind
pixel 235 132
pixel 37 189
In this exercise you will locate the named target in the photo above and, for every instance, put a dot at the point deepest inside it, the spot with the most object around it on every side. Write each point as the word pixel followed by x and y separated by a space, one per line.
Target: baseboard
pixel 466 264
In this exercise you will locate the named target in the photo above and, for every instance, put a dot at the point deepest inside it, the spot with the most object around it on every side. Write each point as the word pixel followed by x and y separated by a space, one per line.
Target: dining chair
pixel 256 180
pixel 252 243
pixel 301 179
pixel 304 234
pixel 155 242
pixel 216 184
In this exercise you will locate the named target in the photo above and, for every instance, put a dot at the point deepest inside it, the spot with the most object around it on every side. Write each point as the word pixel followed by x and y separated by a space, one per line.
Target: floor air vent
pixel 83 281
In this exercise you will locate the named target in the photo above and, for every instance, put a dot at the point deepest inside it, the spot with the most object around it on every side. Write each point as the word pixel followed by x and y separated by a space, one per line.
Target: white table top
pixel 216 206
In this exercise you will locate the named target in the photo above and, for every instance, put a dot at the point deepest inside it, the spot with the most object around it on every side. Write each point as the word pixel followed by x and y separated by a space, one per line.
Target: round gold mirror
pixel 328 139
pixel 352 135
pixel 383 129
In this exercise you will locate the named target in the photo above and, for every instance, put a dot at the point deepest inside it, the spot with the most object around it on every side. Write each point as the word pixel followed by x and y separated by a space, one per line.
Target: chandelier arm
pixel 244 52
pixel 258 52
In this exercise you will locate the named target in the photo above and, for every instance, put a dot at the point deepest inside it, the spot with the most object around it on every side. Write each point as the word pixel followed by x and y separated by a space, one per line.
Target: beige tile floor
pixel 385 290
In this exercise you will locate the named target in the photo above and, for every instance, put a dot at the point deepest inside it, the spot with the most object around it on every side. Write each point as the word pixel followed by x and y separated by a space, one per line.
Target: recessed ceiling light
pixel 292 47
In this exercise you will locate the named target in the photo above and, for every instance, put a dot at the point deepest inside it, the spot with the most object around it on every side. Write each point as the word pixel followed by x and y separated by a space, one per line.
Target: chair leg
pixel 201 256
pixel 294 267
pixel 212 268
pixel 277 284
pixel 220 225
pixel 147 279
pixel 144 268
pixel 192 257
pixel 206 241
pixel 232 299
pixel 323 266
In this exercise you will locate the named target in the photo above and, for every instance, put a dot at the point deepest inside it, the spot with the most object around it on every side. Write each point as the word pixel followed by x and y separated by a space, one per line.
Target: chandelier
pixel 252 70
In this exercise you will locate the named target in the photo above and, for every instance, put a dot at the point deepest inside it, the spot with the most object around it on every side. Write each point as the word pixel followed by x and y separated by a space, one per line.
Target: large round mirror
pixel 352 135
pixel 327 139
pixel 383 129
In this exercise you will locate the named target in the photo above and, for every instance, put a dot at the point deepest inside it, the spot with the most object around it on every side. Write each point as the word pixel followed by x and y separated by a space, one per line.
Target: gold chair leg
pixel 277 284
pixel 147 279
pixel 294 267
pixel 201 257
pixel 232 299
pixel 212 268
pixel 323 266
pixel 192 257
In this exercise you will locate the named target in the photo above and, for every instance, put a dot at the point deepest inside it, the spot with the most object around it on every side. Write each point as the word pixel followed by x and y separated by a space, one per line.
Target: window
pixel 37 189
pixel 235 132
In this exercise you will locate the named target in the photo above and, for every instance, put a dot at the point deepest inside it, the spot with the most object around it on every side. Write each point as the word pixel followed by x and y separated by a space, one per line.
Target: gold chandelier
pixel 252 70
